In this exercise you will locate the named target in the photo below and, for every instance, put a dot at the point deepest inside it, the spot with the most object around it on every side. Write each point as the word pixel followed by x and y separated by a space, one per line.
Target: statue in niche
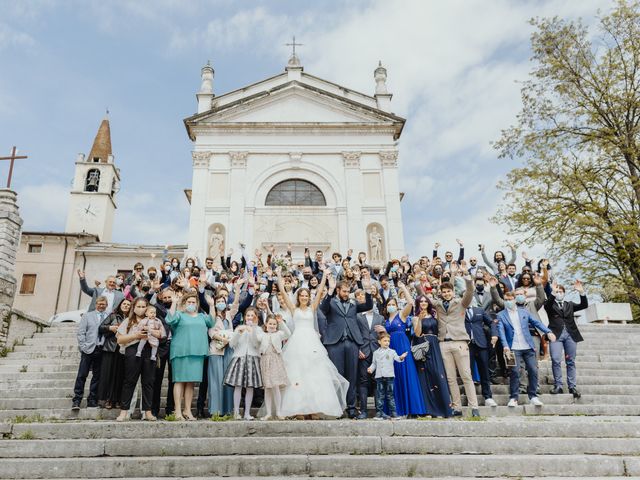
pixel 216 243
pixel 375 245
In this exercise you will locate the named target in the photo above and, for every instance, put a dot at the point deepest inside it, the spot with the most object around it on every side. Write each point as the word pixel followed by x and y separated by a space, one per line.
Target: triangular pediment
pixel 293 102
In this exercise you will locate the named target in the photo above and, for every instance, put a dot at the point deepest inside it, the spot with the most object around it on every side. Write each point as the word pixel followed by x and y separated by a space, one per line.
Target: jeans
pixel 570 347
pixel 89 362
pixel 384 392
pixel 528 357
pixel 523 372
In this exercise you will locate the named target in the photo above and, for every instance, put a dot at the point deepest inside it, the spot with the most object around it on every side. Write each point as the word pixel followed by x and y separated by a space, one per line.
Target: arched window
pixel 93 180
pixel 295 192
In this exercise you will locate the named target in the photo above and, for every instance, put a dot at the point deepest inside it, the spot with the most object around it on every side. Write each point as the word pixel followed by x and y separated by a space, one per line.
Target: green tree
pixel 577 136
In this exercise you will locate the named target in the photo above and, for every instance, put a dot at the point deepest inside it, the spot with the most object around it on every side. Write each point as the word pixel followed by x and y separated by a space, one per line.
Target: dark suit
pixel 342 338
pixel 476 318
pixel 563 325
pixel 370 345
pixel 508 282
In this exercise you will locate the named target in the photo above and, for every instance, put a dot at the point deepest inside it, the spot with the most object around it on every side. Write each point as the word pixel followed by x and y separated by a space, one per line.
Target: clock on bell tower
pixel 95 184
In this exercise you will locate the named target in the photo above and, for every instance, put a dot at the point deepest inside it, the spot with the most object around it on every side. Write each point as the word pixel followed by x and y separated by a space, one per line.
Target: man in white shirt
pixel 513 330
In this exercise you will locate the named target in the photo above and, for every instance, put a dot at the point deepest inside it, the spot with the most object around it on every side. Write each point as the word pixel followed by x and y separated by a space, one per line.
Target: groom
pixel 342 337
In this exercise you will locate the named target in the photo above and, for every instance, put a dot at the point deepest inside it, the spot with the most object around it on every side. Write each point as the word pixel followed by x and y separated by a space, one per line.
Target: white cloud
pixel 10 37
pixel 44 207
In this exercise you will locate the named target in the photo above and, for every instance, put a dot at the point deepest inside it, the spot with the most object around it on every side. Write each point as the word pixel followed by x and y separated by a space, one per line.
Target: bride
pixel 315 386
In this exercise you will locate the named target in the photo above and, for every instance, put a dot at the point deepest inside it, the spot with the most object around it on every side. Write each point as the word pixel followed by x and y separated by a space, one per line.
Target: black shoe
pixel 457 413
pixel 75 406
pixel 556 390
pixel 200 414
pixel 93 404
pixel 362 416
pixel 475 412
pixel 575 392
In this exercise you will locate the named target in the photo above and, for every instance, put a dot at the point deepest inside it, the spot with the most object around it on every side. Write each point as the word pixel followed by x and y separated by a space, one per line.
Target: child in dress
pixel 149 323
pixel 244 369
pixel 382 364
pixel 274 374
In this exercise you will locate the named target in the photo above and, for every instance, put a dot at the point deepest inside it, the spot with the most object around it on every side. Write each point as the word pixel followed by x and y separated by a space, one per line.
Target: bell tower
pixel 95 184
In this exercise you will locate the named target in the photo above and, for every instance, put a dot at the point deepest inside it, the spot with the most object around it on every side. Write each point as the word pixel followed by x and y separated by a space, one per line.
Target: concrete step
pixel 325 465
pixel 517 427
pixel 593 379
pixel 362 445
pixel 23 403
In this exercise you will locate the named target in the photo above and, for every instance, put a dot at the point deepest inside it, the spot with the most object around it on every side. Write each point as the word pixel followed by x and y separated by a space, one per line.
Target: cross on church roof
pixel 294 45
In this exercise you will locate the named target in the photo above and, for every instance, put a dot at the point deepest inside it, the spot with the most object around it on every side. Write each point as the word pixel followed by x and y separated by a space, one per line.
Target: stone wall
pixel 10 224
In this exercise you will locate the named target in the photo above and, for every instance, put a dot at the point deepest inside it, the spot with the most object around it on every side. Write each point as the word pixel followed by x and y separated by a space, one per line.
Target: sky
pixel 453 68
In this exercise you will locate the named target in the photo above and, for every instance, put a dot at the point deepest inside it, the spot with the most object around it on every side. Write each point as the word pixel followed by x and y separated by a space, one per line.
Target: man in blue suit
pixel 475 320
pixel 513 329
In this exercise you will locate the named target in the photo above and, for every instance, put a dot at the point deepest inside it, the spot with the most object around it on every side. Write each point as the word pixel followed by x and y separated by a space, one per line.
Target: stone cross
pixel 13 157
pixel 294 45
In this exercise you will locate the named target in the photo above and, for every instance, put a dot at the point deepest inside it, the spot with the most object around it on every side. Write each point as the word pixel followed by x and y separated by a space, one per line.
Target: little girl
pixel 274 374
pixel 244 369
pixel 150 323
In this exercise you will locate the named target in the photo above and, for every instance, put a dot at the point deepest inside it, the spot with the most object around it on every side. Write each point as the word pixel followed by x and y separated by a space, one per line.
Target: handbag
pixel 420 351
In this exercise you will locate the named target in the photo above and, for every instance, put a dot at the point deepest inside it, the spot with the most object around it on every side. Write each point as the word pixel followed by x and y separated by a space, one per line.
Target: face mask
pixel 146 289
pixel 167 268
pixel 152 276
pixel 509 304
pixel 446 279
pixel 190 308
pixel 306 276
pixel 224 279
pixel 394 269
pixel 175 264
pixel 392 309
pixel 118 281
pixel 520 299
pixel 220 306
pixel 190 264
pixel 560 296
pixel 480 288
pixel 263 287
pixel 168 303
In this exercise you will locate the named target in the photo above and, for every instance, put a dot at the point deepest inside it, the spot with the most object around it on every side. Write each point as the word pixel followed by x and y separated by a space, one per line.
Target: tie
pixel 469 317
pixel 445 304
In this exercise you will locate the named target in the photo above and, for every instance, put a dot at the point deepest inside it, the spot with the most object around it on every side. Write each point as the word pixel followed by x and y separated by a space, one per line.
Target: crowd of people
pixel 315 338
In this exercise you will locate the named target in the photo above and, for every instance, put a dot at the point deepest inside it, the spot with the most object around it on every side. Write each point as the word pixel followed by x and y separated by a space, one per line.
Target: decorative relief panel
pixel 389 158
pixel 200 159
pixel 238 159
pixel 351 159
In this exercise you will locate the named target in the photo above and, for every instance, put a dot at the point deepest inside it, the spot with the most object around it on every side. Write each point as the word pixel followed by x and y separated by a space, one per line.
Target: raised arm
pixel 540 295
pixel 495 296
pixel 83 284
pixel 320 292
pixel 467 298
pixel 584 303
pixel 486 261
pixel 513 253
pixel 461 252
pixel 289 304
pixel 368 299
pixel 406 311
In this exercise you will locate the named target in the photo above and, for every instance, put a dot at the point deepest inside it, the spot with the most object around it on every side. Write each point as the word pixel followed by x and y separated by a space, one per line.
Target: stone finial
pixel 380 76
pixel 207 79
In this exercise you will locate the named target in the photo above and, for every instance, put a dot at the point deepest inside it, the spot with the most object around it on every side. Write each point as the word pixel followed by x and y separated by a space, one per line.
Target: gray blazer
pixel 88 332
pixel 369 335
pixel 94 293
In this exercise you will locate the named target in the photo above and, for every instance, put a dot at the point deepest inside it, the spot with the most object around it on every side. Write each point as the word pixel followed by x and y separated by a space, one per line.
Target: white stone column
pixel 10 225
pixel 197 227
pixel 353 194
pixel 394 233
pixel 238 224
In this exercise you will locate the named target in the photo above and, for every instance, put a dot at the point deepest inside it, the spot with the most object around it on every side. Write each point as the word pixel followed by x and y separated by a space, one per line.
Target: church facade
pixel 295 159
pixel 290 159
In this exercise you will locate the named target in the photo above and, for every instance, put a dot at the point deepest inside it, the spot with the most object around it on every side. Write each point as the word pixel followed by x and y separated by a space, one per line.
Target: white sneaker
pixel 513 402
pixel 536 401
pixel 490 402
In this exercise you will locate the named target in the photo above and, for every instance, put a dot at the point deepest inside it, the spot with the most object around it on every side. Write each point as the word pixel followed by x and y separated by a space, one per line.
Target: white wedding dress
pixel 315 386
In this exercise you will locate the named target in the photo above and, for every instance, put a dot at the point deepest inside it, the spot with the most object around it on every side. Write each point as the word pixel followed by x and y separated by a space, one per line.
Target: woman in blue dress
pixel 407 391
pixel 431 373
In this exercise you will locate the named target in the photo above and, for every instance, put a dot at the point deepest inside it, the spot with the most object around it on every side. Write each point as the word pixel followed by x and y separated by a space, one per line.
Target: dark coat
pixel 369 335
pixel 339 320
pixel 560 318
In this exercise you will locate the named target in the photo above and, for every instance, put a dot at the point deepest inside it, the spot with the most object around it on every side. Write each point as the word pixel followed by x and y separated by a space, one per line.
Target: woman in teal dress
pixel 189 347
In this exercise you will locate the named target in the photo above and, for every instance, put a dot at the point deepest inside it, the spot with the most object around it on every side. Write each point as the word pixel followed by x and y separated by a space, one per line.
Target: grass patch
pixel 26 435
pixel 475 419
pixel 24 368
pixel 28 419
pixel 170 418
pixel 221 418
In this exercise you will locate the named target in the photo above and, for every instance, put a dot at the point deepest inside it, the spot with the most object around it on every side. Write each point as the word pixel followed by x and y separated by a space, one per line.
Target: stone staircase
pixel 595 436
